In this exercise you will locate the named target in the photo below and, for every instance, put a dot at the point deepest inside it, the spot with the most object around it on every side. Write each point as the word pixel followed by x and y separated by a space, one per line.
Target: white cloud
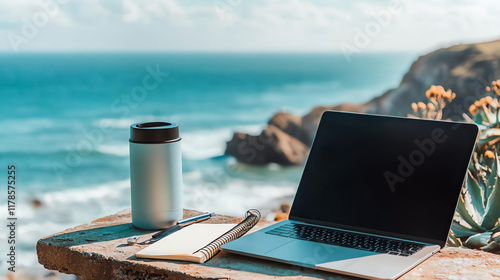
pixel 246 25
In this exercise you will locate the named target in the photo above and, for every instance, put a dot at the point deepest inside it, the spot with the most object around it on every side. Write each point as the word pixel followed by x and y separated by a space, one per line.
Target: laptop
pixel 376 198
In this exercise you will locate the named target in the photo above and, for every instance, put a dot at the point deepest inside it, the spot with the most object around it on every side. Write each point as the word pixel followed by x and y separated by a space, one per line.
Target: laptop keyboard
pixel 347 239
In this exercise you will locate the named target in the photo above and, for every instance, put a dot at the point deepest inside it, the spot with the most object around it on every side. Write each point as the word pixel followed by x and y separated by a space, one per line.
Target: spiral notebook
pixel 199 242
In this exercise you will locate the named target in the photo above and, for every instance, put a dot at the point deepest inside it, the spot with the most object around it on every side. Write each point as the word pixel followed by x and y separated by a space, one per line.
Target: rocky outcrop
pixel 466 69
pixel 272 145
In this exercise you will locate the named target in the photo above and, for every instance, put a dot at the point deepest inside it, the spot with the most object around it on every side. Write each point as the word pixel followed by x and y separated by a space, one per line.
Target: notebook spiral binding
pixel 252 217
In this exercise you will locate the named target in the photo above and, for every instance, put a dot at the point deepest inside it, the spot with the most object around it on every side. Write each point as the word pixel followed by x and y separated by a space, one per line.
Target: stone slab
pixel 99 251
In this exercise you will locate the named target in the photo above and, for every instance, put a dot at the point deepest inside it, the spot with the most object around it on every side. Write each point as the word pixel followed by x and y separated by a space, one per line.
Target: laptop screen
pixel 385 175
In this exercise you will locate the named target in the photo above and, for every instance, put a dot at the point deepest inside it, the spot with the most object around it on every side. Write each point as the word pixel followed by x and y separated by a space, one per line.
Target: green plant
pixel 476 223
pixel 479 205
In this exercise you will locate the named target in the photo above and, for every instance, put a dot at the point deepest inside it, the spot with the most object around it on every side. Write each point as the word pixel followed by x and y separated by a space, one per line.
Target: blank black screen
pixel 383 174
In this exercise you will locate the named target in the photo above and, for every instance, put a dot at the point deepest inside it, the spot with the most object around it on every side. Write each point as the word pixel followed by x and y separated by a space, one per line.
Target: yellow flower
pixel 495 86
pixel 438 93
pixel 489 154
pixel 430 92
pixel 414 107
pixel 473 110
pixel 421 106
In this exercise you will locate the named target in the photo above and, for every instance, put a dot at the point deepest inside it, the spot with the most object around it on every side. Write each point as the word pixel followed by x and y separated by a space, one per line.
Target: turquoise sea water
pixel 64 123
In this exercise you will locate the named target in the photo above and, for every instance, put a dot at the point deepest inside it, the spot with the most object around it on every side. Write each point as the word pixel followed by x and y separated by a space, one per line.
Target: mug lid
pixel 154 132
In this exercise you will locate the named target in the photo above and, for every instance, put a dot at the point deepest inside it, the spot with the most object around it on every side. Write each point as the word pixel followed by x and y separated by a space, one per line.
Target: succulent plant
pixel 477 220
pixel 478 207
pixel 478 223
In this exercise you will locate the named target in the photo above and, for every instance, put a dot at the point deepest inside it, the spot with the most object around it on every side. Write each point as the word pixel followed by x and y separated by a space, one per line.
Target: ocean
pixel 65 118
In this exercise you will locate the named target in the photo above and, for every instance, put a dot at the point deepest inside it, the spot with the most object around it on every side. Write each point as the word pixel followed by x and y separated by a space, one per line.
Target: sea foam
pixel 203 144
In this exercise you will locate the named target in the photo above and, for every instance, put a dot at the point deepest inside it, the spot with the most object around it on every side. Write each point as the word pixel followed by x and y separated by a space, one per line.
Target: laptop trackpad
pixel 307 253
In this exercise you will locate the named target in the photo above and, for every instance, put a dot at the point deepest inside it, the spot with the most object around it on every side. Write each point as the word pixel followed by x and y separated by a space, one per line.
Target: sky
pixel 244 25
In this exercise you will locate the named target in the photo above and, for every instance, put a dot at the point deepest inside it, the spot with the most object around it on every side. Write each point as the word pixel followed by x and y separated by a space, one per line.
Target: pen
pixel 195 219
pixel 178 226
pixel 183 223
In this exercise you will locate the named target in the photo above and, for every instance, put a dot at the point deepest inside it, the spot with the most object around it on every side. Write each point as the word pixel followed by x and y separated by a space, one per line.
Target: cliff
pixel 466 69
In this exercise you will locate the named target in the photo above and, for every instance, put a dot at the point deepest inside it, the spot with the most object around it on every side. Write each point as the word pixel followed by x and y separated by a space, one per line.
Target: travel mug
pixel 155 174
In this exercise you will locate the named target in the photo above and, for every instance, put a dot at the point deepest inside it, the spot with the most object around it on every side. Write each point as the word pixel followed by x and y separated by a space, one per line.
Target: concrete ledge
pixel 99 251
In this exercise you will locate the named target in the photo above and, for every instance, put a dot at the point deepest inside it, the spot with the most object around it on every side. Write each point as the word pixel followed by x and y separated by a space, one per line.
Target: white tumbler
pixel 155 174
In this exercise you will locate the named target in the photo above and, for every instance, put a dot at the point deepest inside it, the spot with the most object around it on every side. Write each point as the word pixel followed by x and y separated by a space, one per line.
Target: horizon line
pixel 193 52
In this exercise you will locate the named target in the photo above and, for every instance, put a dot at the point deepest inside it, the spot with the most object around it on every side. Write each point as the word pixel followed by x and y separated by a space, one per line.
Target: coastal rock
pixel 272 146
pixel 289 124
pixel 465 69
